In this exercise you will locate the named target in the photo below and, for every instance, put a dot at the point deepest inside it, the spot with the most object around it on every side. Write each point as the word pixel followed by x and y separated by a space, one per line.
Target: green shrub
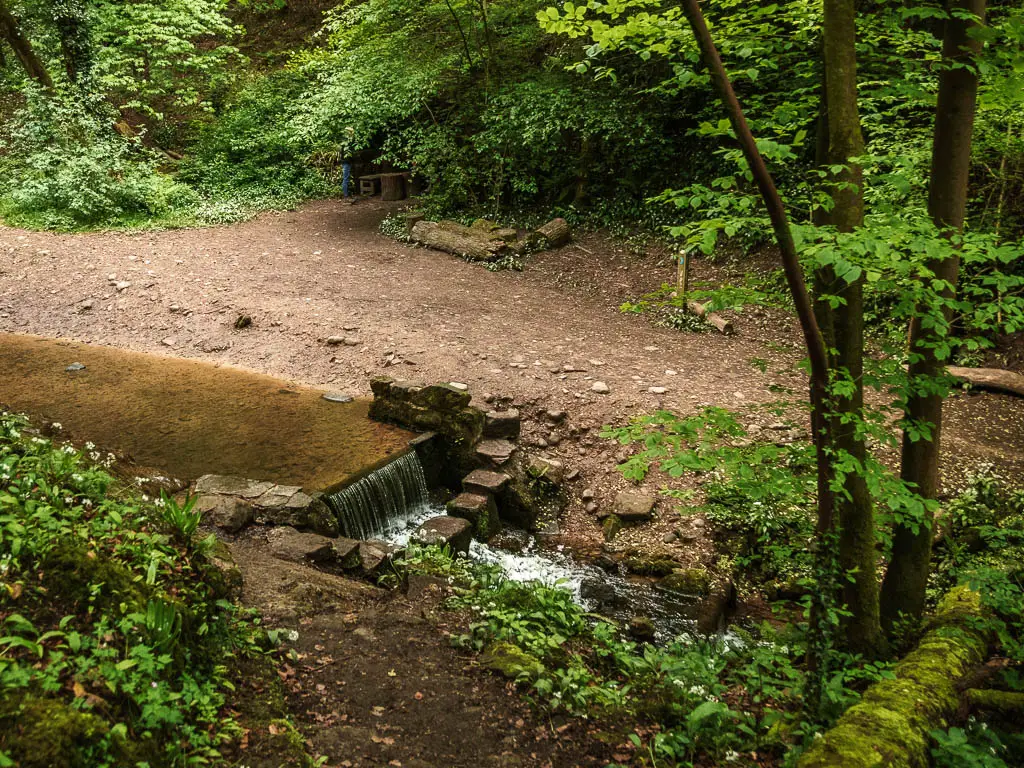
pixel 69 168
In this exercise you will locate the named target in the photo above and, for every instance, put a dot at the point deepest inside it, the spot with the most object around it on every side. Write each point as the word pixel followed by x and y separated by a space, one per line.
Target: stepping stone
pixel 296 547
pixel 483 482
pixel 480 510
pixel 452 532
pixel 633 506
pixel 497 451
pixel 346 551
pixel 551 470
pixel 226 485
pixel 502 424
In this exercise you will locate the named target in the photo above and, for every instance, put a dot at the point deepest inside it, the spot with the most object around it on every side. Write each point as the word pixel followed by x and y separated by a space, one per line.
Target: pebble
pixel 349 341
pixel 572 475
pixel 600 387
pixel 170 341
pixel 75 367
pixel 657 390
pixel 591 507
pixel 458 385
pixel 556 416
pixel 670 372
pixel 588 494
pixel 123 285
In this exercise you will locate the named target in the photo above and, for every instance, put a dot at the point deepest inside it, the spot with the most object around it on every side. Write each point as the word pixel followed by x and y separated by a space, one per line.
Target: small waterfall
pixel 384 500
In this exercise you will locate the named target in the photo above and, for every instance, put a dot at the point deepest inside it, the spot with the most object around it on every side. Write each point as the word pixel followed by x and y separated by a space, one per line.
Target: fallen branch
pixel 889 726
pixel 713 318
pixel 463 241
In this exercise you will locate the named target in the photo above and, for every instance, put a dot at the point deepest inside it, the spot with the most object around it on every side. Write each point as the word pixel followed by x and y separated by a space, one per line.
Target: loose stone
pixel 600 387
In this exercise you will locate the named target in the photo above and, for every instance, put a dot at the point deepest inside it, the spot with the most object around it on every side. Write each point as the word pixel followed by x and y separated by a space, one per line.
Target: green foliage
pixel 116 640
pixel 68 169
pixel 977 746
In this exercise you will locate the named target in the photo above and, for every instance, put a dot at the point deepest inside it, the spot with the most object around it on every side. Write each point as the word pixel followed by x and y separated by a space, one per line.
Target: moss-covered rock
pixel 47 733
pixel 511 661
pixel 646 564
pixel 72 573
pixel 889 727
pixel 687 581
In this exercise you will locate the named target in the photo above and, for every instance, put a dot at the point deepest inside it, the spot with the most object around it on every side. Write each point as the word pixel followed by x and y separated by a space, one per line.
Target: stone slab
pixel 634 506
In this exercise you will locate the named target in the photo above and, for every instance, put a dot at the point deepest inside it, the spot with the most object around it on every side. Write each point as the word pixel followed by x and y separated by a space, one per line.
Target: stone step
pixel 494 452
pixel 502 424
pixel 483 482
pixel 480 510
pixel 445 530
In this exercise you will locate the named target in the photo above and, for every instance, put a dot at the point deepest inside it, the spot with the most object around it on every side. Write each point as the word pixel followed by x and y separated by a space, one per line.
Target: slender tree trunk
pixel 816 351
pixel 75 45
pixel 857 554
pixel 903 591
pixel 10 30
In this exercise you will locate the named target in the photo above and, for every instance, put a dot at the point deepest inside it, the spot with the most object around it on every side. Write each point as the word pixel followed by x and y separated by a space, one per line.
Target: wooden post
pixel 683 274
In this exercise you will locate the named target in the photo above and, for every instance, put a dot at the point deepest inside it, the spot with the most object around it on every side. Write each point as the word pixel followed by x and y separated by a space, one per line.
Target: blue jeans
pixel 346 177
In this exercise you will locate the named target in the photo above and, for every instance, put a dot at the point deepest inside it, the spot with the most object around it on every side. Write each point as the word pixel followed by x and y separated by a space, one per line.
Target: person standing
pixel 346 160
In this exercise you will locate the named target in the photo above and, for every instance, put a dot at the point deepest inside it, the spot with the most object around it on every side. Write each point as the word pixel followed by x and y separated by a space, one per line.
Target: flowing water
pixel 392 503
pixel 383 502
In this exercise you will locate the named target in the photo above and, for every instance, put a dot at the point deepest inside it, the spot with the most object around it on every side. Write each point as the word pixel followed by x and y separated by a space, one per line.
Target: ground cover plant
pixel 120 643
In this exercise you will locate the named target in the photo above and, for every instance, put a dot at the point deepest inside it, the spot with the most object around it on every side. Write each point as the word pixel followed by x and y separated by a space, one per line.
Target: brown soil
pixel 372 679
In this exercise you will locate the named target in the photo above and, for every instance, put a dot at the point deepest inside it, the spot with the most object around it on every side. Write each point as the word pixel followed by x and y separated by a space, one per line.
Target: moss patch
pixel 889 727
pixel 44 733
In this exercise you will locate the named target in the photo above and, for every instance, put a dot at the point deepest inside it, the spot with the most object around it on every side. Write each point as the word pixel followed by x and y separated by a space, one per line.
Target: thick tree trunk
pixel 10 30
pixel 903 591
pixel 462 241
pixel 857 554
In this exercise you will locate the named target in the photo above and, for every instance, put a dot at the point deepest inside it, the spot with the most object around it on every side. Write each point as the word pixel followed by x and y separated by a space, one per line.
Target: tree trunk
pixel 10 29
pixel 857 554
pixel 903 591
pixel 816 350
pixel 462 241
pixel 75 46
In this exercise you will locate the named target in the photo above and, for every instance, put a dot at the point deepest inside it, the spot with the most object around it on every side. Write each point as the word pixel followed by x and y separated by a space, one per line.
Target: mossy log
pixel 469 243
pixel 889 727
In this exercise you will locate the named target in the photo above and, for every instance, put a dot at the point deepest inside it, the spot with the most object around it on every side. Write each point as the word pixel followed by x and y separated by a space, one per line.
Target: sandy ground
pixel 538 339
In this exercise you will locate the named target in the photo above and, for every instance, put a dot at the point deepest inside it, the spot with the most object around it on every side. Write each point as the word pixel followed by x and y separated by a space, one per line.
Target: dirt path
pixel 539 338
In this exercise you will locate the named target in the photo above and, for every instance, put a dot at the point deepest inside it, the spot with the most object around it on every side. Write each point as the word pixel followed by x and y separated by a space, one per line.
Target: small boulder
pixel 226 512
pixel 228 485
pixel 511 661
pixel 552 470
pixel 296 547
pixel 346 553
pixel 641 629
pixel 445 531
pixel 687 581
pixel 374 555
pixel 634 506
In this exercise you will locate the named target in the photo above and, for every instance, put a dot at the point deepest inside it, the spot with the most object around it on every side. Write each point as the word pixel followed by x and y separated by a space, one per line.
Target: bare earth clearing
pixel 537 339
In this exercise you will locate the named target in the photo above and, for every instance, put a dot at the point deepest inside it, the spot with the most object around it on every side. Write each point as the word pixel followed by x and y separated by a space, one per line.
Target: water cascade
pixel 385 500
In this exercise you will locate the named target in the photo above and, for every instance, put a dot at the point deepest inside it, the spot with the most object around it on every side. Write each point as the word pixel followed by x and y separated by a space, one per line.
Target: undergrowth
pixel 118 637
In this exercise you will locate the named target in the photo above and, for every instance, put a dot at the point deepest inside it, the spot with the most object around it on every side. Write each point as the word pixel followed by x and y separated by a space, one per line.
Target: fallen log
pixel 462 241
pixel 713 318
pixel 993 379
pixel 889 727
pixel 556 232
